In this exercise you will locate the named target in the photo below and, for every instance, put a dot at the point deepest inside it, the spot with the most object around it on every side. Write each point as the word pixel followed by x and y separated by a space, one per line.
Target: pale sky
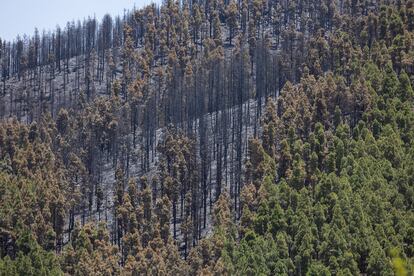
pixel 18 17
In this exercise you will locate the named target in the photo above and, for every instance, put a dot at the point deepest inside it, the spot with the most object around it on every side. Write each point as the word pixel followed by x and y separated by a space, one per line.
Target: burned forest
pixel 211 137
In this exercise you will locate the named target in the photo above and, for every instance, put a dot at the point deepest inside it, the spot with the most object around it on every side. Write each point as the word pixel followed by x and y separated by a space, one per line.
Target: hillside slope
pixel 239 138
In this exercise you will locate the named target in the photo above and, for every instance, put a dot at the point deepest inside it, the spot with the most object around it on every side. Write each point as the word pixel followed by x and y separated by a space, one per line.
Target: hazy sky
pixel 22 16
